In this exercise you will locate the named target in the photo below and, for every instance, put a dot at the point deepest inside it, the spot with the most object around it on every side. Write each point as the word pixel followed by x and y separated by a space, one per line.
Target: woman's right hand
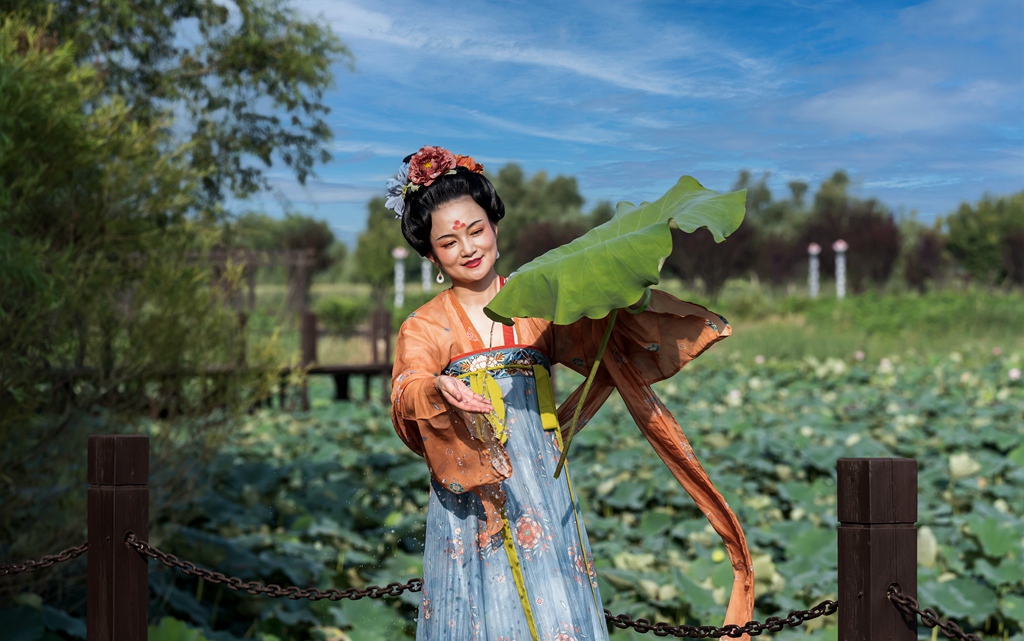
pixel 460 396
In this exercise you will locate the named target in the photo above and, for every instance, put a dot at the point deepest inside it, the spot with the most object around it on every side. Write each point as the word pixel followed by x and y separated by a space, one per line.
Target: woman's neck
pixel 477 294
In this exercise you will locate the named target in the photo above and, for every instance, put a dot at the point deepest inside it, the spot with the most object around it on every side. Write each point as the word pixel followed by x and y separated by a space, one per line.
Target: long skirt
pixel 469 589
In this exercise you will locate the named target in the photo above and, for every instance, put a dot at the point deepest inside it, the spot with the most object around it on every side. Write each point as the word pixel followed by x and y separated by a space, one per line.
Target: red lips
pixel 473 263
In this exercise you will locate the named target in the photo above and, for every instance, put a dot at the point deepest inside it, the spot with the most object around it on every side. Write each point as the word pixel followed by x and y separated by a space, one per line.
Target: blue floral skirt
pixel 469 589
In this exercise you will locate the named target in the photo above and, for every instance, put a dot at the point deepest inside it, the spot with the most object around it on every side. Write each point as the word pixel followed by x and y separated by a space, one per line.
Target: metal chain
pixel 272 590
pixel 45 562
pixel 908 605
pixel 773 624
pixel 753 628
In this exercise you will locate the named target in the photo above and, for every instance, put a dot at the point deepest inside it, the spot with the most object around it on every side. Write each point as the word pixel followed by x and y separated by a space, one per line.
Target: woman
pixel 506 554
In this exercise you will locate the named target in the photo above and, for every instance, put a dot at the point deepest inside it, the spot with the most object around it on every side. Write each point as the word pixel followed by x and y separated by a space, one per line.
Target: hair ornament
pixel 421 169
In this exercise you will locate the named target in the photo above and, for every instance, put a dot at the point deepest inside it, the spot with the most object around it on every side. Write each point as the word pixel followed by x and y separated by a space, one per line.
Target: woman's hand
pixel 460 396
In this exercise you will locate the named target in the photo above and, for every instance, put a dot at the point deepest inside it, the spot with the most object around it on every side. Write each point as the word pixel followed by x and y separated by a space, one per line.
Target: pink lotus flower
pixel 1015 374
pixel 428 164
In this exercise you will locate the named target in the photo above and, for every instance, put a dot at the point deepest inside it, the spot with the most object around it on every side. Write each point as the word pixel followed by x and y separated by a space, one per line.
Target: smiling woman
pixel 506 553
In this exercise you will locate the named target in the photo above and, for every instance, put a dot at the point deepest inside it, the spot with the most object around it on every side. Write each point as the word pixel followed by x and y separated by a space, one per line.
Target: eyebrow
pixel 468 226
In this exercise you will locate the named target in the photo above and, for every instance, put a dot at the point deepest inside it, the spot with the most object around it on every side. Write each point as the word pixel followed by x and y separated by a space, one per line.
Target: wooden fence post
pixel 307 340
pixel 118 502
pixel 877 546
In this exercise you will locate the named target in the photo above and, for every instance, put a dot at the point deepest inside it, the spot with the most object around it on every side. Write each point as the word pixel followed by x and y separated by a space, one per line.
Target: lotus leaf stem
pixel 586 388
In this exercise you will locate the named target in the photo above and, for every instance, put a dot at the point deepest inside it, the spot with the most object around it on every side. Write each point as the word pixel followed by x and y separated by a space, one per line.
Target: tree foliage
pixel 383 233
pixel 107 307
pixel 101 273
pixel 988 239
pixel 261 232
pixel 867 226
pixel 549 211
pixel 245 78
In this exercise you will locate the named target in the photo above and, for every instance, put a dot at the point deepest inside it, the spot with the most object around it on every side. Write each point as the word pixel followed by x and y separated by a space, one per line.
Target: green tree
pixel 99 261
pixel 771 230
pixel 988 239
pixel 383 233
pixel 253 230
pixel 104 307
pixel 246 78
pixel 924 258
pixel 550 208
pixel 302 232
pixel 868 227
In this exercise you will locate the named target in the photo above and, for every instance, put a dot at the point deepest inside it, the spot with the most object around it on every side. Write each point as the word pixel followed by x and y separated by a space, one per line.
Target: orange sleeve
pixel 426 423
pixel 658 341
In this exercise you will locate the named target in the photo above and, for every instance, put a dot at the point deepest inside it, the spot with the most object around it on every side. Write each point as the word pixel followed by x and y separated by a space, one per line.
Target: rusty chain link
pixel 753 628
pixel 272 590
pixel 45 562
pixel 908 605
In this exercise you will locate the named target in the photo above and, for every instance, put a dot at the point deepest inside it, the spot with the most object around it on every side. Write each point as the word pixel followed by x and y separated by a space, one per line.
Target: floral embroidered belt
pixel 481 369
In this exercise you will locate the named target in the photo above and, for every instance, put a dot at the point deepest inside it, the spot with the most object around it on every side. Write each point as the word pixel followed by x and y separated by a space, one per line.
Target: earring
pixel 498 255
pixel 440 277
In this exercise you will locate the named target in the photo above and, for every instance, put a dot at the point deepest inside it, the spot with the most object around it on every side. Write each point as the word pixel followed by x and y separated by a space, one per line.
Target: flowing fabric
pixel 485 489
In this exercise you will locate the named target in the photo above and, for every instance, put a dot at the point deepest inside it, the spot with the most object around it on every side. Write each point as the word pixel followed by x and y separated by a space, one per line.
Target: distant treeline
pixel 982 242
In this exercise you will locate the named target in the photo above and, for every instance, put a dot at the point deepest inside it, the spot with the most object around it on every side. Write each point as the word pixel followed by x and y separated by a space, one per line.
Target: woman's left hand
pixel 460 396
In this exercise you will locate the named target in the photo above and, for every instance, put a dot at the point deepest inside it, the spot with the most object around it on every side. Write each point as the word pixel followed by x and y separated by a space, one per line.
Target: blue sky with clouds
pixel 921 102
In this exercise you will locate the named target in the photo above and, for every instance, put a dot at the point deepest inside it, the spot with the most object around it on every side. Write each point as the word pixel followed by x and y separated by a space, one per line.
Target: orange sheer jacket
pixel 644 348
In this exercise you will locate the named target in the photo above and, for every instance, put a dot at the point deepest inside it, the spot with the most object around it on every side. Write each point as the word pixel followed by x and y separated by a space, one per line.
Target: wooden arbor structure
pixel 299 264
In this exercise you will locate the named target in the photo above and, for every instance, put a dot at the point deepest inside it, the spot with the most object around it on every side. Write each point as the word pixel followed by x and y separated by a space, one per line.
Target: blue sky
pixel 921 103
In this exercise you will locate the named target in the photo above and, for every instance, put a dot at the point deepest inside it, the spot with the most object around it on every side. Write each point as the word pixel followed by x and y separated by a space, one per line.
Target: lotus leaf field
pixel 333 499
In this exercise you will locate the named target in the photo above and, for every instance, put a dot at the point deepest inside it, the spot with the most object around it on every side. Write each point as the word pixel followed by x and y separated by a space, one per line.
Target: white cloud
pixel 912 101
pixel 913 181
pixel 586 134
pixel 368 147
pixel 660 67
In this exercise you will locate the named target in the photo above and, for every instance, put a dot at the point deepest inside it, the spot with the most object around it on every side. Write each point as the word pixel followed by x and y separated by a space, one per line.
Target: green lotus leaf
pixel 611 265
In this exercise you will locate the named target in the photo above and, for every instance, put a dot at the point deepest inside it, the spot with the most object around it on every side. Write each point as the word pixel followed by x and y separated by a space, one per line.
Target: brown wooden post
pixel 877 546
pixel 382 352
pixel 118 473
pixel 307 336
pixel 250 279
pixel 375 346
pixel 243 339
pixel 386 329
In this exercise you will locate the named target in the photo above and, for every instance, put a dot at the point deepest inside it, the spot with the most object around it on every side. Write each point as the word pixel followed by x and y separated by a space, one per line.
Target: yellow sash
pixel 482 382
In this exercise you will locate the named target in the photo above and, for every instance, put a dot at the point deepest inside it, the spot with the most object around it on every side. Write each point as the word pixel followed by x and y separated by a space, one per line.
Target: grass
pixel 970 321
pixel 973 322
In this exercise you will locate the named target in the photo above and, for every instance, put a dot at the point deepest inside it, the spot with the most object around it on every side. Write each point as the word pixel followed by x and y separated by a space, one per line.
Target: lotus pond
pixel 333 499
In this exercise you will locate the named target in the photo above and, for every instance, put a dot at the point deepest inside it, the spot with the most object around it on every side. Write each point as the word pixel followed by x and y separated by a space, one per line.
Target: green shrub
pixel 986 239
pixel 342 315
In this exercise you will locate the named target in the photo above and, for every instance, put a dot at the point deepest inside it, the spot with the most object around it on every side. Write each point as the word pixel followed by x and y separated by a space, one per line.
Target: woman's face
pixel 463 240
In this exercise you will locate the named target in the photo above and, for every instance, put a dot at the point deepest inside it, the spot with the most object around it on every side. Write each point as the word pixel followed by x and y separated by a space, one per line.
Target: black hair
pixel 420 204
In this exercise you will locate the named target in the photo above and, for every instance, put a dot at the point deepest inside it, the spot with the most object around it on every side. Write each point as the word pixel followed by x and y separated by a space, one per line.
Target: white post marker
pixel 840 247
pixel 399 254
pixel 425 276
pixel 813 278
